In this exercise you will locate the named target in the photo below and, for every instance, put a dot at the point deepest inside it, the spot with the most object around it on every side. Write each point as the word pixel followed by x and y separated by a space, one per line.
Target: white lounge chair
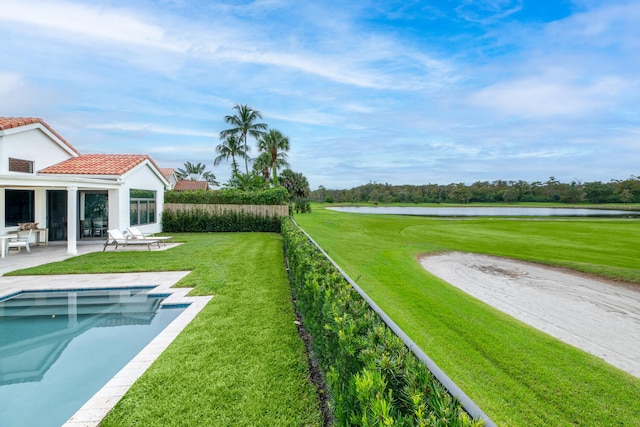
pixel 116 238
pixel 20 242
pixel 135 233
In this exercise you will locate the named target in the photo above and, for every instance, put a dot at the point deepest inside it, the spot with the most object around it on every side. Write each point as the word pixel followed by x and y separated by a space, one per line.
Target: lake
pixel 484 211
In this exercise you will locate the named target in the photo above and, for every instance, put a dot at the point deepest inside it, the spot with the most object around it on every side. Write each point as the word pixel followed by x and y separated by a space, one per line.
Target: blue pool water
pixel 57 349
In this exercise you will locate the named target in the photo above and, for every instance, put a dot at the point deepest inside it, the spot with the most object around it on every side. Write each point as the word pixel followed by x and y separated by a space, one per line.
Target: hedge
pixel 201 221
pixel 271 196
pixel 372 377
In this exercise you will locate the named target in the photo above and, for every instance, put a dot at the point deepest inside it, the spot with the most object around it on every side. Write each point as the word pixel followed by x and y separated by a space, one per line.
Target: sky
pixel 398 92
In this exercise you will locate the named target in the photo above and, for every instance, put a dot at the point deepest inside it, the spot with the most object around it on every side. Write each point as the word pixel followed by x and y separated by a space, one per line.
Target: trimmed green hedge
pixel 201 221
pixel 373 378
pixel 272 196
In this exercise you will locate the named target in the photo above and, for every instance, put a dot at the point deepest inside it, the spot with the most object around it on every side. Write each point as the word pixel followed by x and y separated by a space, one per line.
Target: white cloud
pixel 120 26
pixel 486 11
pixel 151 128
pixel 547 96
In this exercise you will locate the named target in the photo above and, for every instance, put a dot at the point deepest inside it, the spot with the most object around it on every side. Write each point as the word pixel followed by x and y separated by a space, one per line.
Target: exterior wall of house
pixel 33 145
pixel 141 178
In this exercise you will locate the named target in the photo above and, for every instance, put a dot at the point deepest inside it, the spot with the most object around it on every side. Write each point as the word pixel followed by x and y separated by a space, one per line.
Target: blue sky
pixel 404 92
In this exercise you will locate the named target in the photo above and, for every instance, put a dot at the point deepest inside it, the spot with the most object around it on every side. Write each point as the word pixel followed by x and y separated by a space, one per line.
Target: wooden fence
pixel 256 210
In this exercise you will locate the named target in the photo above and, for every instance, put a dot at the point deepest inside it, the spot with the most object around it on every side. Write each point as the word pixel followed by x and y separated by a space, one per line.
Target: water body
pixel 59 348
pixel 484 211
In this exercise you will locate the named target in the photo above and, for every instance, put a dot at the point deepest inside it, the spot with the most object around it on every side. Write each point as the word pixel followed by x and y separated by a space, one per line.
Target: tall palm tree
pixel 244 123
pixel 230 147
pixel 275 144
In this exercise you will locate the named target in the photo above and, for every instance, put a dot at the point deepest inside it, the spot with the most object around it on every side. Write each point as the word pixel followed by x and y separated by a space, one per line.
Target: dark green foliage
pixel 373 379
pixel 272 196
pixel 201 221
pixel 302 206
pixel 614 191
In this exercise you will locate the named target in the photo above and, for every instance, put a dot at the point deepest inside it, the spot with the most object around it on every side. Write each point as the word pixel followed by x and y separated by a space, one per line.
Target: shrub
pixel 201 221
pixel 272 196
pixel 372 377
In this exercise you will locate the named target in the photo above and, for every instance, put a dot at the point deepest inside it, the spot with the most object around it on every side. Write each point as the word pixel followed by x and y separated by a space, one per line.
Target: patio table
pixel 4 243
pixel 42 235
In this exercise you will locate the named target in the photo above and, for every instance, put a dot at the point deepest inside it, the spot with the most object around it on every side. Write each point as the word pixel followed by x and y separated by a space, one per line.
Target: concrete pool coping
pixel 98 406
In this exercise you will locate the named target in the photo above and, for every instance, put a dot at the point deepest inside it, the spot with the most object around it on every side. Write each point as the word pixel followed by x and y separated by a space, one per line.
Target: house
pixel 171 176
pixel 74 196
pixel 189 185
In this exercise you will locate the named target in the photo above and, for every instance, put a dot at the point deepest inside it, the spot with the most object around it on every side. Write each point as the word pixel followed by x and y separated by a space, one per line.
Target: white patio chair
pixel 116 238
pixel 20 242
pixel 135 233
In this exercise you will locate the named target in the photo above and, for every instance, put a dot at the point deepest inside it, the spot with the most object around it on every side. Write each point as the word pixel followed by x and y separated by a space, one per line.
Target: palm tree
pixel 275 144
pixel 244 122
pixel 262 165
pixel 230 147
pixel 196 172
pixel 249 182
pixel 295 183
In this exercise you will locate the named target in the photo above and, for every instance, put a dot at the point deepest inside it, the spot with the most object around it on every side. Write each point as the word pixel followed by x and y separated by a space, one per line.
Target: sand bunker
pixel 600 317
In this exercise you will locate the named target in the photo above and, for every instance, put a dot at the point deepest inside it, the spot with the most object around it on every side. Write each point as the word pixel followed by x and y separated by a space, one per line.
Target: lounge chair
pixel 20 242
pixel 115 237
pixel 135 233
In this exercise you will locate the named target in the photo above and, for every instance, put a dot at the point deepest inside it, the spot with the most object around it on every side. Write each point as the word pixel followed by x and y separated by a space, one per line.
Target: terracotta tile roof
pixel 98 164
pixel 187 185
pixel 166 172
pixel 14 122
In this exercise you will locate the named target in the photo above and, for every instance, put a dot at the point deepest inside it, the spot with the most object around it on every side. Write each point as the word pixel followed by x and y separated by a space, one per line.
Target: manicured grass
pixel 516 374
pixel 240 362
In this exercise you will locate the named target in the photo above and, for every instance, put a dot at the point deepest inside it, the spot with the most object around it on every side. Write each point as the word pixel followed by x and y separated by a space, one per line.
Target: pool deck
pixel 96 408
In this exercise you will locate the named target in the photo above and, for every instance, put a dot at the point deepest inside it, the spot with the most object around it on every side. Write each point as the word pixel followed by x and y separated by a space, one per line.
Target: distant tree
pixel 628 190
pixel 262 165
pixel 598 192
pixel 510 195
pixel 276 145
pixel 230 147
pixel 196 172
pixel 572 193
pixel 295 183
pixel 460 194
pixel 250 182
pixel 244 123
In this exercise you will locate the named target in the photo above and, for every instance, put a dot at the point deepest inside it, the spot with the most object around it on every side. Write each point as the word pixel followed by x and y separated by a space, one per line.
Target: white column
pixel 72 219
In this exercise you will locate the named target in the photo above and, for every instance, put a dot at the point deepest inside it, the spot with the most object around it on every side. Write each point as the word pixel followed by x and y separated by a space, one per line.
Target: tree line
pixel 614 191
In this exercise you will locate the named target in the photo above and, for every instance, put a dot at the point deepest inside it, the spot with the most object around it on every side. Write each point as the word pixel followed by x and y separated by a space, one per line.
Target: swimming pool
pixel 58 348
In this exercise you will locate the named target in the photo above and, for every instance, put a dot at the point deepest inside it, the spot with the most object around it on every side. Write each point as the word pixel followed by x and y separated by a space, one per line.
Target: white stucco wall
pixel 31 144
pixel 142 177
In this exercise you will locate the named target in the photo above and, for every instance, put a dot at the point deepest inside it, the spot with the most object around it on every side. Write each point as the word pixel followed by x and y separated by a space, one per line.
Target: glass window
pixel 142 207
pixel 133 212
pixel 19 207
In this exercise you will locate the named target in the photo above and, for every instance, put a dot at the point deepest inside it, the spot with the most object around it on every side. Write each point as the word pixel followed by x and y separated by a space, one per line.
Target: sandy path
pixel 599 317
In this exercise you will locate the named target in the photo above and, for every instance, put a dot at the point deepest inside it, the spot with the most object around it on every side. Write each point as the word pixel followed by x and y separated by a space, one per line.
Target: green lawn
pixel 240 362
pixel 517 375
